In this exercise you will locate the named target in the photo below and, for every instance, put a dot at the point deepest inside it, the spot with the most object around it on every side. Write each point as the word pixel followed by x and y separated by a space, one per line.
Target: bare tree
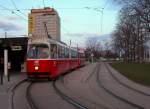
pixel 139 7
pixel 93 46
pixel 131 29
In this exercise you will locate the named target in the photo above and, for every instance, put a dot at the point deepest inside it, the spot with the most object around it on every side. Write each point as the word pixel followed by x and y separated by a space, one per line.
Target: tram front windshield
pixel 38 51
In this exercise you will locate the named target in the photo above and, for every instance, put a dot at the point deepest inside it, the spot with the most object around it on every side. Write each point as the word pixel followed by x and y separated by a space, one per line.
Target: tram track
pixel 28 98
pixel 28 94
pixel 67 98
pixel 93 103
pixel 112 93
pixel 13 92
pixel 70 100
pixel 125 85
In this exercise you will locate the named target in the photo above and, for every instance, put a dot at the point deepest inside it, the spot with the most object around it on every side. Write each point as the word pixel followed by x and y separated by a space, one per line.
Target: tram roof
pixel 51 41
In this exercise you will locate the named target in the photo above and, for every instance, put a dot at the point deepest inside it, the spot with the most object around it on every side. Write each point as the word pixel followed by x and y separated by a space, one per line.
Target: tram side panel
pixel 63 66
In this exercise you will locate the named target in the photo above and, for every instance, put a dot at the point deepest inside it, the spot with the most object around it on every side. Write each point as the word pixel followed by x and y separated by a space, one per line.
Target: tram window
pixel 73 54
pixel 37 51
pixel 60 51
pixel 63 52
pixel 43 52
pixel 32 52
pixel 53 51
pixel 66 53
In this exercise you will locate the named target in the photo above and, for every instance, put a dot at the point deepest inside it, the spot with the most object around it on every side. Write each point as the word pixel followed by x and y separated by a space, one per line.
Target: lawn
pixel 137 72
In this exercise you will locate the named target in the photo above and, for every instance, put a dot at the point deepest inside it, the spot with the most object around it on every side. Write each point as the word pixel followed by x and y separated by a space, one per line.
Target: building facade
pixel 44 22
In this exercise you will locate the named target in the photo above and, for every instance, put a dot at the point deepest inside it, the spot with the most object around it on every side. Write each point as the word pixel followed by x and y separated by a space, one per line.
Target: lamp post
pixel 101 10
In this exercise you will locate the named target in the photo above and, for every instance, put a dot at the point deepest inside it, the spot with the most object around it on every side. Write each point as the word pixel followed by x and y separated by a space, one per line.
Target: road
pixel 89 87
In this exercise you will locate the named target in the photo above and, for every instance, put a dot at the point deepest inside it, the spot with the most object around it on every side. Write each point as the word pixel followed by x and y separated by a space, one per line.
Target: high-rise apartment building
pixel 43 22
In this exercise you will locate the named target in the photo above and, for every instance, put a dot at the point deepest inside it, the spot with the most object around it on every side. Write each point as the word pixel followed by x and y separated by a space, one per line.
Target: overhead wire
pixel 68 33
pixel 100 10
pixel 14 4
pixel 14 9
pixel 17 8
pixel 13 12
pixel 55 7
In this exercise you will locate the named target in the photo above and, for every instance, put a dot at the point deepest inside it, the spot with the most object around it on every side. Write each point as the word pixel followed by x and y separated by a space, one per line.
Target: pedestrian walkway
pixel 15 77
pixel 5 88
pixel 130 83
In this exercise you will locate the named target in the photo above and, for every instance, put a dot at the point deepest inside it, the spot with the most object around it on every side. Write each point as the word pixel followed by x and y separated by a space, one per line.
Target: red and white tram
pixel 50 58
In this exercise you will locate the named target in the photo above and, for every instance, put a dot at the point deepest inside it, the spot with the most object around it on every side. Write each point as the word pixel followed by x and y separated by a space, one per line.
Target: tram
pixel 50 58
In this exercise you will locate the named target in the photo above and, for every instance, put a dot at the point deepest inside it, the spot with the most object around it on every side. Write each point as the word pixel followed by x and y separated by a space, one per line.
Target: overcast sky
pixel 80 19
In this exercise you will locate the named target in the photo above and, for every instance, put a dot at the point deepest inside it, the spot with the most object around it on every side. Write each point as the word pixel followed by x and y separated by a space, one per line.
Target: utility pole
pixel 101 10
pixel 102 13
pixel 77 51
pixel 70 49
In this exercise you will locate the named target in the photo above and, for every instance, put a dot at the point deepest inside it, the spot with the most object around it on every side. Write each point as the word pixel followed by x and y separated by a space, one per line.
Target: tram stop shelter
pixel 17 48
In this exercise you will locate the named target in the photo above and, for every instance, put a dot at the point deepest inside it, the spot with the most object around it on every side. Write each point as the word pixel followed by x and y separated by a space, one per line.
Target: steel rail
pixel 91 74
pixel 113 94
pixel 86 80
pixel 13 92
pixel 67 98
pixel 29 98
pixel 125 85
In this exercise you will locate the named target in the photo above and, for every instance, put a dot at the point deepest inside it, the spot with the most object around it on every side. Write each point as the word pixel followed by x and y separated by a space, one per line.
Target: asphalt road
pixel 83 86
pixel 92 87
pixel 43 96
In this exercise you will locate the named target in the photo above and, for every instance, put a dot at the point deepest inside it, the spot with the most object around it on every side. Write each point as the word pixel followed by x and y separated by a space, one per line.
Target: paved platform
pixel 15 77
pixel 5 88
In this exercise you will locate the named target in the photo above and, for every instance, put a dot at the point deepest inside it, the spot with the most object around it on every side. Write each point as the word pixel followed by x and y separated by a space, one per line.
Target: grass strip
pixel 138 72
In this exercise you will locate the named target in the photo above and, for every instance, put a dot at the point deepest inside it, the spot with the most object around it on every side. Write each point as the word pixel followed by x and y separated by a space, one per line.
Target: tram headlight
pixel 36 67
pixel 54 63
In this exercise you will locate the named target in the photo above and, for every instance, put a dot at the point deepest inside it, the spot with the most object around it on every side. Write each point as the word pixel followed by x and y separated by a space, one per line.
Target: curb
pixel 129 83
